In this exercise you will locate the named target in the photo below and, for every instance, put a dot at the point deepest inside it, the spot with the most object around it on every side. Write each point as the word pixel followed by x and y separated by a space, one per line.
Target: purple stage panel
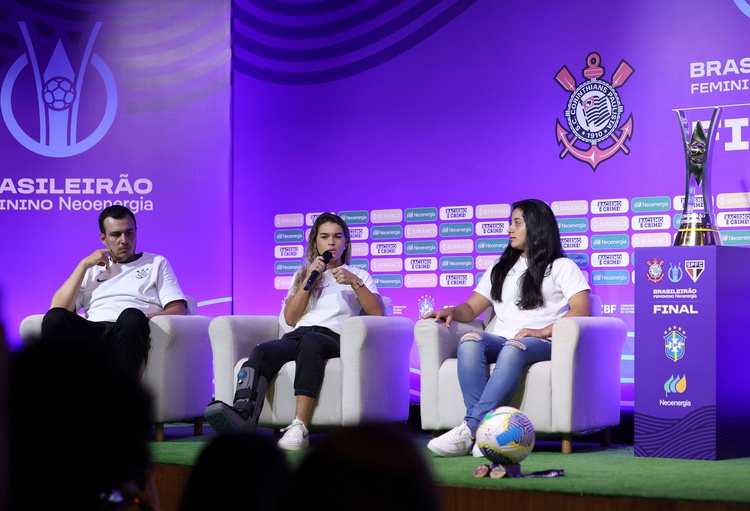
pixel 692 393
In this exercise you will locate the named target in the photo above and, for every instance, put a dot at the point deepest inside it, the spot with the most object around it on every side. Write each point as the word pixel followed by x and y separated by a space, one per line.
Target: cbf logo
pixel 426 305
pixel 593 113
pixel 655 271
pixel 57 88
pixel 674 343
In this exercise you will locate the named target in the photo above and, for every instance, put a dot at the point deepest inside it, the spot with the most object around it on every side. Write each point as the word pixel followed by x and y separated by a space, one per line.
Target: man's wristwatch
pixel 358 285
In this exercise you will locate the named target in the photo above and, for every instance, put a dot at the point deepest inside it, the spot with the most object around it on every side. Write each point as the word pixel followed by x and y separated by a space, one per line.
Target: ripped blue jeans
pixel 484 392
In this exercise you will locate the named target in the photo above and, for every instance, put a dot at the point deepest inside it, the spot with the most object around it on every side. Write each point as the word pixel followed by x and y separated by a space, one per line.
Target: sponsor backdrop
pixel 420 122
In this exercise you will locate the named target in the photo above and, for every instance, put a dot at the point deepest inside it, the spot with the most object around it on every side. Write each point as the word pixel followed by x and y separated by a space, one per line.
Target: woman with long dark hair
pixel 316 312
pixel 532 285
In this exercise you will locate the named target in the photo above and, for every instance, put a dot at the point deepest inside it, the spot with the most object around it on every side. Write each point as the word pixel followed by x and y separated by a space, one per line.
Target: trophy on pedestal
pixel 697 228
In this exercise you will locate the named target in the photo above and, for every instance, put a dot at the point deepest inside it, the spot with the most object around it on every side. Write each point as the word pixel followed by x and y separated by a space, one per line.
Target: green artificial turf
pixel 590 470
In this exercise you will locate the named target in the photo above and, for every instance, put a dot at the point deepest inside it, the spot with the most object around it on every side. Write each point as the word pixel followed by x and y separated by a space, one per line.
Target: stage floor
pixel 596 477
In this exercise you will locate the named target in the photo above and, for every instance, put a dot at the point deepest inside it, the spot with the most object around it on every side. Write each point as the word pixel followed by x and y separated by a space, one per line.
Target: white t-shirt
pixel 336 302
pixel 148 284
pixel 565 280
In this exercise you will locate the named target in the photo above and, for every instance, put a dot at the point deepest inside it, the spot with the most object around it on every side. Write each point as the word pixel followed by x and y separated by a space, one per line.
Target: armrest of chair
pixel 31 329
pixel 375 353
pixel 586 353
pixel 436 344
pixel 232 338
pixel 178 368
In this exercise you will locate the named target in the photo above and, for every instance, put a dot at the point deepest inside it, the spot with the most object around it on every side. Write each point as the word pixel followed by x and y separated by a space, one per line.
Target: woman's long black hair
pixel 543 246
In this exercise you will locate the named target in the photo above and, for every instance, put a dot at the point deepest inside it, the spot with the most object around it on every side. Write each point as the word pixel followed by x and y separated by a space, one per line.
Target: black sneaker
pixel 223 418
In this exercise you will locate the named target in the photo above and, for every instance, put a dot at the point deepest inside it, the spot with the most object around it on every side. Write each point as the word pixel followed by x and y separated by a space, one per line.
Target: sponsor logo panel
pixel 456 246
pixel 387 232
pixel 353 217
pixel 610 224
pixel 359 233
pixel 609 206
pixel 457 213
pixel 288 251
pixel 456 280
pixel 493 211
pixel 610 277
pixel 572 224
pixel 387 265
pixel 416 280
pixel 494 245
pixel 651 239
pixel 388 280
pixel 421 231
pixel 650 222
pixel 456 230
pixel 420 247
pixel 386 216
pixel 289 236
pixel 421 264
pixel 574 242
pixel 386 248
pixel 286 267
pixel 604 259
pixel 421 214
pixel 291 220
pixel 456 263
pixel 650 204
pixel 491 228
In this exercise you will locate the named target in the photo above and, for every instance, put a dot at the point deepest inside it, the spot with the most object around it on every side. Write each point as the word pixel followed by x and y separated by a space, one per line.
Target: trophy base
pixel 696 230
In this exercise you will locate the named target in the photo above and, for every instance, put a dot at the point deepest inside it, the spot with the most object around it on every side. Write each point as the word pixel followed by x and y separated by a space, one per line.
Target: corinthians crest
pixel 593 114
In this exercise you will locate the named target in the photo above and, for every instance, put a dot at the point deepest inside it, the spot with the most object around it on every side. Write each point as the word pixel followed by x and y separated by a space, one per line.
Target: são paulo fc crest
pixel 594 113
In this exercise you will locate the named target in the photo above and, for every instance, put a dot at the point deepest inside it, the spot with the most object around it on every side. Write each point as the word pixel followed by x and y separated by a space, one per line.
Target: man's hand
pixel 100 257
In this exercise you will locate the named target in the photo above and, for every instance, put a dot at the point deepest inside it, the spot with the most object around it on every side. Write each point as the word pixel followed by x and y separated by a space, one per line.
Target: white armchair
pixel 576 392
pixel 369 382
pixel 178 372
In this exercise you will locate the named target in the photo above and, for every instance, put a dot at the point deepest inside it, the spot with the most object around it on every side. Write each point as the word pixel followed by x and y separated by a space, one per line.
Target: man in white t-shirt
pixel 119 290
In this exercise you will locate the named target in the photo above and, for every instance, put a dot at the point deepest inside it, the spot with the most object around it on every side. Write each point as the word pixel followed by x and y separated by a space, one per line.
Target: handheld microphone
pixel 315 274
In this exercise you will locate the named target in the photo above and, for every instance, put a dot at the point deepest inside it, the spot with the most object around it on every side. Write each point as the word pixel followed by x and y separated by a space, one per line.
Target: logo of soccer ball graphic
pixel 506 436
pixel 59 93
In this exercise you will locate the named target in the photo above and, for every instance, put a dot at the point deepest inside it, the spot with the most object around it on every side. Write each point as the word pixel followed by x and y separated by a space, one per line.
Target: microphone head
pixel 327 255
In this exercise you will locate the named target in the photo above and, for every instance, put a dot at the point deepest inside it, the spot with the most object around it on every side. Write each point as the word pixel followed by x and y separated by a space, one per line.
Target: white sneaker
pixel 296 436
pixel 476 451
pixel 456 442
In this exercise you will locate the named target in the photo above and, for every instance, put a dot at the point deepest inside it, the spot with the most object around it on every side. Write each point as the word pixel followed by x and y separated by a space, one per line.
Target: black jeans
pixel 127 338
pixel 309 347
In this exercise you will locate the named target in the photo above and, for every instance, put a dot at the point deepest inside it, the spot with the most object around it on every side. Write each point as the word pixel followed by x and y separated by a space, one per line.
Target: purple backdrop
pixel 125 101
pixel 419 121
pixel 429 119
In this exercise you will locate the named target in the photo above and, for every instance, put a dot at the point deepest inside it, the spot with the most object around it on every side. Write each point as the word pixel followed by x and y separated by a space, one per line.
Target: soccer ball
pixel 506 436
pixel 59 93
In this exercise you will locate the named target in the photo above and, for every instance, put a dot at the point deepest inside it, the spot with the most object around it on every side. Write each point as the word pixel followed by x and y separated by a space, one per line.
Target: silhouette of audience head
pixel 364 467
pixel 78 427
pixel 245 471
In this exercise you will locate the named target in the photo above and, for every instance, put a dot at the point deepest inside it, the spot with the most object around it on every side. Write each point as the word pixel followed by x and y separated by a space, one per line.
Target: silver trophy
pixel 697 228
